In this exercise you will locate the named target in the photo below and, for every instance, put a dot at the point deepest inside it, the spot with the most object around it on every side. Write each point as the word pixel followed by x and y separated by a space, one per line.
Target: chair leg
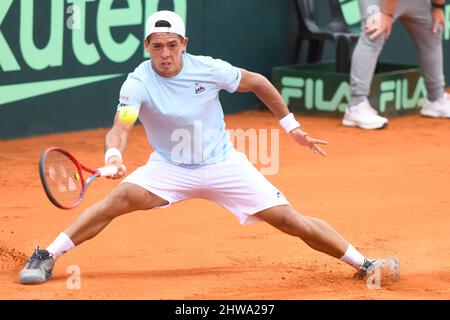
pixel 343 50
pixel 297 48
pixel 315 52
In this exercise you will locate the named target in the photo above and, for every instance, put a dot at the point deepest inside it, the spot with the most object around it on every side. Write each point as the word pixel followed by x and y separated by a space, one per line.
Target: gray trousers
pixel 416 16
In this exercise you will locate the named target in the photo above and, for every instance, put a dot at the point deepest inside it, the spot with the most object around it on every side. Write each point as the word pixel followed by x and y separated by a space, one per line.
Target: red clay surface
pixel 387 192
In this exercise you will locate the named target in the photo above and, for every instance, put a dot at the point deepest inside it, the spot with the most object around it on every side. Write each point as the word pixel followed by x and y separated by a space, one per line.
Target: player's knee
pixel 119 199
pixel 131 198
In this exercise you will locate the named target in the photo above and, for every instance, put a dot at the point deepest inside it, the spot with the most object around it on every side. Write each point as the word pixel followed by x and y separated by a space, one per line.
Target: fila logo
pixel 199 88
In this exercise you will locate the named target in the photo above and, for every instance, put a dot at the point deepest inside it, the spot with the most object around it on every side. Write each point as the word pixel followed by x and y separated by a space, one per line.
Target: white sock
pixel 60 246
pixel 353 257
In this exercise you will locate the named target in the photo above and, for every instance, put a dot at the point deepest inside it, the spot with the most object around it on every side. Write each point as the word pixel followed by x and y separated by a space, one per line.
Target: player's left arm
pixel 268 94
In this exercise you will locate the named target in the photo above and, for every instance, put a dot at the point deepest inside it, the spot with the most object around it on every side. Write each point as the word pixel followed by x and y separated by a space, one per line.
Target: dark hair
pixel 162 23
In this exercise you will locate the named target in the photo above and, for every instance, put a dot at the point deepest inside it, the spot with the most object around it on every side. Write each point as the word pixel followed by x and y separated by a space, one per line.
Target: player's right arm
pixel 131 96
pixel 117 138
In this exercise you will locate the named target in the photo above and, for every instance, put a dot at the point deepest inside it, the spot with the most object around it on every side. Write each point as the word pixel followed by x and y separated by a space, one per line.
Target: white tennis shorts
pixel 235 184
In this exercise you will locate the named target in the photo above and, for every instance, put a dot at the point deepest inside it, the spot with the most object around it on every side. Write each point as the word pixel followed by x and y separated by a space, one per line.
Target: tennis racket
pixel 63 179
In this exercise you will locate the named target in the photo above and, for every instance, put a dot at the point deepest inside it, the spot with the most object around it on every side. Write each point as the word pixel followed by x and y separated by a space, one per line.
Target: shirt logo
pixel 199 88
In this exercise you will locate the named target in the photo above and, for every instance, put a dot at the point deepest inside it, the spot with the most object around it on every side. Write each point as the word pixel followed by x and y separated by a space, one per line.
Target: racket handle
pixel 107 171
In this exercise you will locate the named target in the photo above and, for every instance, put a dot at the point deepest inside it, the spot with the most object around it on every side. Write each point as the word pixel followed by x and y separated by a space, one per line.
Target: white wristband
pixel 112 152
pixel 289 123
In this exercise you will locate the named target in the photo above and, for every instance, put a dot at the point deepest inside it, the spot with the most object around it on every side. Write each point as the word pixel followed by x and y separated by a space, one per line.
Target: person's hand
pixel 377 25
pixel 116 161
pixel 303 139
pixel 438 19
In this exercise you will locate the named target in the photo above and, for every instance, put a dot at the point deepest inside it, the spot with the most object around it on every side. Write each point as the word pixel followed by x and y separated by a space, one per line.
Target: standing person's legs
pixel 365 57
pixel 418 20
pixel 359 112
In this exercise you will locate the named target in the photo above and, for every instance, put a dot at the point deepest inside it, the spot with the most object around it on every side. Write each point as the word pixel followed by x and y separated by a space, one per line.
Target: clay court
pixel 386 191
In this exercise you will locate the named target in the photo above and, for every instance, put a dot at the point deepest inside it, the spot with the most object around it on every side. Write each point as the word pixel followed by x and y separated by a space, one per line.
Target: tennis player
pixel 176 95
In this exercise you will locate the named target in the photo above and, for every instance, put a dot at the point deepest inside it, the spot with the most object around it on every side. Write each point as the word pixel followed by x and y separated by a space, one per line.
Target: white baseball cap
pixel 165 21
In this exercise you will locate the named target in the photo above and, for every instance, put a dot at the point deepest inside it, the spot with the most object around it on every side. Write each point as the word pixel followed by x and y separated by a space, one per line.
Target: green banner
pixel 62 62
pixel 317 88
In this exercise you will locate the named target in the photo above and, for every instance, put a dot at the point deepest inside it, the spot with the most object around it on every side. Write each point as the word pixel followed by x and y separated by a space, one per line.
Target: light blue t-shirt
pixel 182 115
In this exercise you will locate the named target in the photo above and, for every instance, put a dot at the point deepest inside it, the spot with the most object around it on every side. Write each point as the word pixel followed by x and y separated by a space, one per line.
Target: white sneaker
pixel 364 116
pixel 437 109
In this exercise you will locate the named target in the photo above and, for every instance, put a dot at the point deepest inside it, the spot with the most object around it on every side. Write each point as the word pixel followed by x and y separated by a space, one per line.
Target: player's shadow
pixel 156 274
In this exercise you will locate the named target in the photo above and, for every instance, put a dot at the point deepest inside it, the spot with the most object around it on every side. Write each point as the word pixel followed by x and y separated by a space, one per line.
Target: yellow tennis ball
pixel 128 115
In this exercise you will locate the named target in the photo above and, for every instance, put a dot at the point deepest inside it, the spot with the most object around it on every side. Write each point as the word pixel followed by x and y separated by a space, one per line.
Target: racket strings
pixel 62 178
